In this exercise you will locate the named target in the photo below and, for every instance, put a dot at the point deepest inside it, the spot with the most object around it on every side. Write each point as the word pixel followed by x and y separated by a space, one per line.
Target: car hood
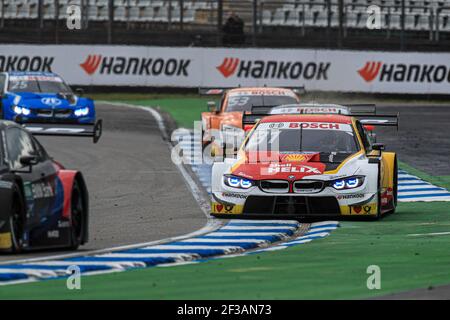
pixel 44 100
pixel 284 166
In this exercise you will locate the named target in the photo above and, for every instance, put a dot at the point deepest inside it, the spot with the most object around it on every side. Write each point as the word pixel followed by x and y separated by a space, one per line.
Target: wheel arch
pixel 68 177
pixel 390 162
pixel 391 176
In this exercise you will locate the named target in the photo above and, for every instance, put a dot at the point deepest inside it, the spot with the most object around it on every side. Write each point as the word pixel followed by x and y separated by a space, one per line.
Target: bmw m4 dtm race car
pixel 313 164
pixel 39 98
pixel 227 117
pixel 42 204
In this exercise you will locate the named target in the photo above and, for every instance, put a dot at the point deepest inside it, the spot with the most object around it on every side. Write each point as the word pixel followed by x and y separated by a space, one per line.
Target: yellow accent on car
pixel 344 162
pixel 5 240
pixel 219 208
pixel 389 162
pixel 368 209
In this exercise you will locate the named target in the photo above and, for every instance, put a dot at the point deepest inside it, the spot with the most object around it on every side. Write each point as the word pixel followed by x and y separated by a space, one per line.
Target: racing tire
pixel 17 219
pixel 78 215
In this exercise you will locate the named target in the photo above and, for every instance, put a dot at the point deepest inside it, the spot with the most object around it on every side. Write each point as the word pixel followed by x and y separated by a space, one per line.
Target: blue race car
pixel 42 97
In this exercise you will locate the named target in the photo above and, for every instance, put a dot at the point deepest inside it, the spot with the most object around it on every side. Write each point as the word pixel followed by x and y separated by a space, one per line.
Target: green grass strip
pixel 330 268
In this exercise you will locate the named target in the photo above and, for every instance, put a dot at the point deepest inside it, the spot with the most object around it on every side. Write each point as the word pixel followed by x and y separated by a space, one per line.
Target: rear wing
pixel 386 120
pixel 220 91
pixel 93 131
pixel 367 115
pixel 212 91
pixel 366 118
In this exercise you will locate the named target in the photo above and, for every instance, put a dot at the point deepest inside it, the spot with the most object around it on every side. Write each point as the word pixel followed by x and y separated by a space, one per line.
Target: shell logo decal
pixel 296 158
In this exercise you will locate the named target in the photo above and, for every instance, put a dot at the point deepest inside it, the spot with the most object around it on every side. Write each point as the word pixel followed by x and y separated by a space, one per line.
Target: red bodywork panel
pixel 67 178
pixel 272 165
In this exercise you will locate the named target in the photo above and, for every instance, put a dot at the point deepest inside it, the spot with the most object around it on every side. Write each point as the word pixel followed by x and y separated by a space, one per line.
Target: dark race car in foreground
pixel 42 204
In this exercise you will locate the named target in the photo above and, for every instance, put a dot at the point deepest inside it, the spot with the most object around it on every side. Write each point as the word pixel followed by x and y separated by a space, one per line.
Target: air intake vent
pixel 308 186
pixel 274 186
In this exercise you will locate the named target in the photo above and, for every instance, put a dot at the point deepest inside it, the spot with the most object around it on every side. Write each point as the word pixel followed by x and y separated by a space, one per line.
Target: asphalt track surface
pixel 136 193
pixel 423 139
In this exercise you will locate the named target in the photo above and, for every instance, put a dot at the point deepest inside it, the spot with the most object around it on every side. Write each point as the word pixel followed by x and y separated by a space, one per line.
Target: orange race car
pixel 227 117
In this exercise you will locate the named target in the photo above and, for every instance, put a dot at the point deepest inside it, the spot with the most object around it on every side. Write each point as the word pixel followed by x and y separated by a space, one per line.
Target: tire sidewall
pixel 76 239
pixel 18 200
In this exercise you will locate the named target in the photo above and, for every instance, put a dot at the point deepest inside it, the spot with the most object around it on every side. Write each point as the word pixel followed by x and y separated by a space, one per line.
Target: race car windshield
pixel 37 85
pixel 302 139
pixel 245 102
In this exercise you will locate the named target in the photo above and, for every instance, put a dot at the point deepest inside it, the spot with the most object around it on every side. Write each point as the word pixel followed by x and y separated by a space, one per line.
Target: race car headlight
pixel 81 112
pixel 26 111
pixel 21 110
pixel 238 182
pixel 347 183
pixel 17 110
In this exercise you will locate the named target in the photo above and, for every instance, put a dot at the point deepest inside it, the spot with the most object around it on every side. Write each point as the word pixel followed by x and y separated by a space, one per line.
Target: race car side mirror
pixel 378 146
pixel 79 91
pixel 212 107
pixel 28 161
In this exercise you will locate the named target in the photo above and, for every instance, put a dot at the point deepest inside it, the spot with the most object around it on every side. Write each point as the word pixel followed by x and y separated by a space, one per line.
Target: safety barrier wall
pixel 322 70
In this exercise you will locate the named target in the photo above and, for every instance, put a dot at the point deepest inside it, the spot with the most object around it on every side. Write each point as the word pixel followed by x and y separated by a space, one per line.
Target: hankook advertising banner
pixel 323 70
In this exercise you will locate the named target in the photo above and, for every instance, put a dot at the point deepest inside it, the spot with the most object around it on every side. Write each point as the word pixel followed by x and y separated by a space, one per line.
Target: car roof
pixel 32 73
pixel 308 118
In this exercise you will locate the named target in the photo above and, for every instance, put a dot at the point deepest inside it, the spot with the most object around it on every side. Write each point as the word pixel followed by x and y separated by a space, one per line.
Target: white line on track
pixel 116 264
pixel 31 272
pixel 429 234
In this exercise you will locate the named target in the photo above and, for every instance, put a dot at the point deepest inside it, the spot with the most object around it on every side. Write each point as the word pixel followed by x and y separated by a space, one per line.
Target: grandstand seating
pixel 420 14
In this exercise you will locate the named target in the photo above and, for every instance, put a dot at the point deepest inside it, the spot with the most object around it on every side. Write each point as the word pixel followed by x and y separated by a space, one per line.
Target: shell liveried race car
pixel 307 165
pixel 42 97
pixel 42 204
pixel 227 117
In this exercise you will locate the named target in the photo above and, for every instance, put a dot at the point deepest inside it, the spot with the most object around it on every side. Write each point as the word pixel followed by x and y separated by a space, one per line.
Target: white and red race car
pixel 307 165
